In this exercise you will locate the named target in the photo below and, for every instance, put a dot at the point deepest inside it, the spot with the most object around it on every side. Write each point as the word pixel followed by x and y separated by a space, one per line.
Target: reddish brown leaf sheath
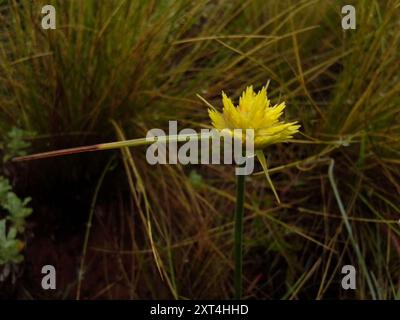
pixel 58 153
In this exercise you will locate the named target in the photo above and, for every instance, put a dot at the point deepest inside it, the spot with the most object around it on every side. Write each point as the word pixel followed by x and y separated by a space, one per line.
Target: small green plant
pixel 10 246
pixel 14 143
pixel 13 224
pixel 13 210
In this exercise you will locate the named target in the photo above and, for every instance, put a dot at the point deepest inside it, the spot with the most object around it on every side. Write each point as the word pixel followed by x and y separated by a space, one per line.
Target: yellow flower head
pixel 254 112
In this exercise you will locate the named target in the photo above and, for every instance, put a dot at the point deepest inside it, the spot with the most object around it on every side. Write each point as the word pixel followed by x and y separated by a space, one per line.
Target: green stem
pixel 239 212
pixel 115 145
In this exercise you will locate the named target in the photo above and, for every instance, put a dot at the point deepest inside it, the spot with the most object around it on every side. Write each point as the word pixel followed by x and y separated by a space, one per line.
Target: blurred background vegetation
pixel 114 69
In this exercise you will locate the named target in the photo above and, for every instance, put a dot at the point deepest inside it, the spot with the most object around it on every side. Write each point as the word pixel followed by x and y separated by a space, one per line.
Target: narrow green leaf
pixel 263 161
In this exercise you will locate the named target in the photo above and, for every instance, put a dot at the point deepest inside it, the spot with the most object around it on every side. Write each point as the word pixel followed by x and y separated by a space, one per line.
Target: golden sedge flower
pixel 254 112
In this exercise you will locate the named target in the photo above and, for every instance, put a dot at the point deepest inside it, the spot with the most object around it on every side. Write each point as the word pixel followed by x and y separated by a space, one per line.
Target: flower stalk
pixel 254 111
pixel 239 214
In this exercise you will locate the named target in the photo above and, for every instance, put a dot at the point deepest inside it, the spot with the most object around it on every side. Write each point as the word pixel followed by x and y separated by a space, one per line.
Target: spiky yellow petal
pixel 217 119
pixel 254 112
